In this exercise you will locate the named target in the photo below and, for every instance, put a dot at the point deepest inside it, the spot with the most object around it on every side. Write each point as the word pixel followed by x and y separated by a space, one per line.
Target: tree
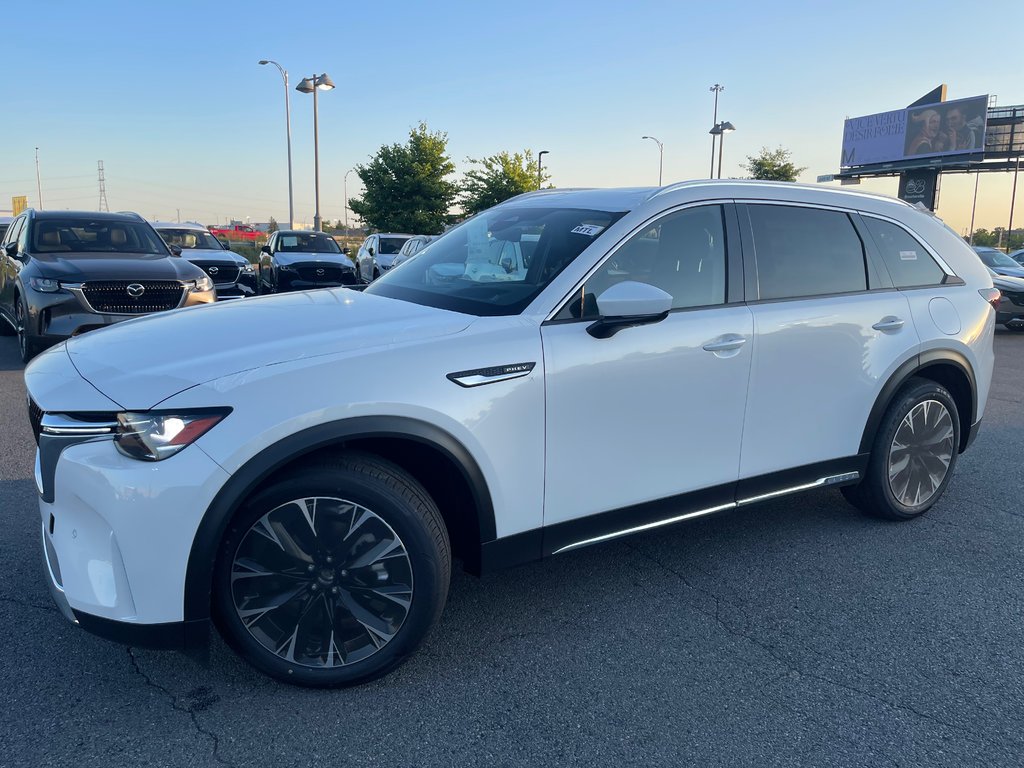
pixel 772 165
pixel 272 226
pixel 405 185
pixel 497 178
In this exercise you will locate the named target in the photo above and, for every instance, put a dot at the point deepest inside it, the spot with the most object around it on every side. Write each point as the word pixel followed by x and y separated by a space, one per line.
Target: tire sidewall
pixel 912 396
pixel 430 576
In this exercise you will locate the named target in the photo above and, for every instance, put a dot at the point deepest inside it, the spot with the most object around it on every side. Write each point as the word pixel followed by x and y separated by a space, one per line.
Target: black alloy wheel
pixel 335 574
pixel 28 347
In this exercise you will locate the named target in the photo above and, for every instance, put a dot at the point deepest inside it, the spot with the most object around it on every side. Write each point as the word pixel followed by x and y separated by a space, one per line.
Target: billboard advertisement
pixel 929 130
pixel 18 204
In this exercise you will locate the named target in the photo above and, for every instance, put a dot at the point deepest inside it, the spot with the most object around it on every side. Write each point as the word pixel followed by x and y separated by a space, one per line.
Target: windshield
pixel 497 262
pixel 997 259
pixel 187 239
pixel 391 244
pixel 94 236
pixel 307 242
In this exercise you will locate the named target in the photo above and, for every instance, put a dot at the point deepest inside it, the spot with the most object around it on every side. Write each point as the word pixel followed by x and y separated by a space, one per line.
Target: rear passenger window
pixel 805 252
pixel 909 264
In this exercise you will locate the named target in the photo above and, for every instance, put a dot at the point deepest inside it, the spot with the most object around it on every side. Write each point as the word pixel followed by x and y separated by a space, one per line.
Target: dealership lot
pixel 794 632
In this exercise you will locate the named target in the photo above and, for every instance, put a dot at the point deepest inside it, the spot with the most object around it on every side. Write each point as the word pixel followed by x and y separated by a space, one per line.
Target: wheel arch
pixel 431 455
pixel 947 367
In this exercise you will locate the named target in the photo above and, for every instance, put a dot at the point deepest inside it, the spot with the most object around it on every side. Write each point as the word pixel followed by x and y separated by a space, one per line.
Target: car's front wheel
pixel 913 456
pixel 28 346
pixel 334 575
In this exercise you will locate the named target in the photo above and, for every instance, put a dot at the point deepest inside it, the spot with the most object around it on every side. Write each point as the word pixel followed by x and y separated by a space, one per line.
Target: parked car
pixel 667 354
pixel 64 273
pixel 1010 311
pixel 412 246
pixel 999 262
pixel 1017 256
pixel 242 232
pixel 297 260
pixel 233 275
pixel 377 254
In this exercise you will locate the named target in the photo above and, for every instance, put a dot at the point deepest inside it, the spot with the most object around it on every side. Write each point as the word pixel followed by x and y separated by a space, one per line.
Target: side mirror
pixel 346 250
pixel 226 244
pixel 11 249
pixel 371 251
pixel 175 250
pixel 628 304
pixel 266 249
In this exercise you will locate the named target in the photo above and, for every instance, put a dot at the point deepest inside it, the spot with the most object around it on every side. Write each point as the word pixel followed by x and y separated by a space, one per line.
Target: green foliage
pixel 272 226
pixel 997 238
pixel 497 178
pixel 405 185
pixel 772 165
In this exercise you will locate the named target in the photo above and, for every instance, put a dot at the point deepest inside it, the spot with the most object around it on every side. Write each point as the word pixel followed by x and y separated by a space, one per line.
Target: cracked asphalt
pixel 793 633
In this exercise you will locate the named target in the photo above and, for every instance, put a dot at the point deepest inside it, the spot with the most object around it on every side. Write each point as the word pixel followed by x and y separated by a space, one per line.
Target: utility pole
pixel 179 214
pixel 1013 201
pixel 39 185
pixel 103 188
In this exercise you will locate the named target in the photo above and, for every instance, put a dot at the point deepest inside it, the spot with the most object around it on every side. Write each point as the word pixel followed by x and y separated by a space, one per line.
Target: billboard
pixel 929 130
pixel 18 204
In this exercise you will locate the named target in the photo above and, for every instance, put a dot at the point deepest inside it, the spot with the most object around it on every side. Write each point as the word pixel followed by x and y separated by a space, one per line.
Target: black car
pixel 1010 311
pixel 63 273
pixel 232 274
pixel 297 260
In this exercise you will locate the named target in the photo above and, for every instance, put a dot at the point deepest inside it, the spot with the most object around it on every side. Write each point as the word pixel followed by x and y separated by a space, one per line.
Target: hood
pixel 140 362
pixel 80 267
pixel 1009 271
pixel 1008 283
pixel 210 254
pixel 287 258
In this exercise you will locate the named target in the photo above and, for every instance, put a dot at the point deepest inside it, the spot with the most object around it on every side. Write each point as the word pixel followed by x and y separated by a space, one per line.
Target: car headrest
pixel 118 237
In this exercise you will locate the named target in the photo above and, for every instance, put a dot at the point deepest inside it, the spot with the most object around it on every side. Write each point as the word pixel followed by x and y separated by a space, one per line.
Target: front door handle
pixel 725 343
pixel 889 323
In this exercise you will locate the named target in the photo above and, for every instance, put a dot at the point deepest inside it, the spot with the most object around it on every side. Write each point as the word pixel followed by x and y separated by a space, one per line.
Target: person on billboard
pixel 928 137
pixel 959 132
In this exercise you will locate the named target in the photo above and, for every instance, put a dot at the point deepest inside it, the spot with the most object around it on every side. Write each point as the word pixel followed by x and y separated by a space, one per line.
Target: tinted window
pixel 79 235
pixel 188 239
pixel 307 242
pixel 909 264
pixel 391 245
pixel 805 252
pixel 683 254
pixel 14 231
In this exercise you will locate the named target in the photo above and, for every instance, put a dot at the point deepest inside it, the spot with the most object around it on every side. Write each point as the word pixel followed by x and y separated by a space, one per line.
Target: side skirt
pixel 594 529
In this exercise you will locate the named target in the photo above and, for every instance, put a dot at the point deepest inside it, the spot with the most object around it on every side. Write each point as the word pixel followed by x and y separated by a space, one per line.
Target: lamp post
pixel 661 155
pixel 717 89
pixel 720 130
pixel 288 129
pixel 313 84
pixel 540 156
pixel 345 182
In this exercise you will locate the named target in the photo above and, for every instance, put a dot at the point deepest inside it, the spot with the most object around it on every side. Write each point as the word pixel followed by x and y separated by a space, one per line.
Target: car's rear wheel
pixel 913 456
pixel 334 575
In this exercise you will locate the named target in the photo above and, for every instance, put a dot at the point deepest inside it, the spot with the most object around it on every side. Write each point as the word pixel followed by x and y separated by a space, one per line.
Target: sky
pixel 171 98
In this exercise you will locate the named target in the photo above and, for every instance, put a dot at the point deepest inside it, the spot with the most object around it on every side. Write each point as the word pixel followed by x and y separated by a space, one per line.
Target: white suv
pixel 659 354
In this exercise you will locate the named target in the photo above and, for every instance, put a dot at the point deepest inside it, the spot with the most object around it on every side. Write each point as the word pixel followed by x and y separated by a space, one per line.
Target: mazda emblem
pixel 319 273
pixel 135 290
pixel 213 270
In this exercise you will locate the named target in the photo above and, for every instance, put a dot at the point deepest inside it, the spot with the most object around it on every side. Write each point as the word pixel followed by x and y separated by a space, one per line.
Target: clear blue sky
pixel 176 106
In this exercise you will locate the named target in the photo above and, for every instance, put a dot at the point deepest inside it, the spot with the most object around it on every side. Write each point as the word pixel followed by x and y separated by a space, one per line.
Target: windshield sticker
pixel 590 230
pixel 289 242
pixel 908 255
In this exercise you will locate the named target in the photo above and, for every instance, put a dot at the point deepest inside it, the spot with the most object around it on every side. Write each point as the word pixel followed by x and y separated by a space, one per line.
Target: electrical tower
pixel 103 187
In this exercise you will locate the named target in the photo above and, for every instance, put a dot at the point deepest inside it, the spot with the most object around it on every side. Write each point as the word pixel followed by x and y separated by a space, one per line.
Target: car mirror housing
pixel 11 249
pixel 266 249
pixel 629 304
pixel 175 250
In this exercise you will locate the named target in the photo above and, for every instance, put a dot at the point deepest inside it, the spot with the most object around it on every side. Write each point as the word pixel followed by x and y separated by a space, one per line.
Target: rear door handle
pixel 889 323
pixel 725 343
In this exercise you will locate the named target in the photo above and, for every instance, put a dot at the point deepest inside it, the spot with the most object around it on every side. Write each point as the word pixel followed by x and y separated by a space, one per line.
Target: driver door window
pixel 683 254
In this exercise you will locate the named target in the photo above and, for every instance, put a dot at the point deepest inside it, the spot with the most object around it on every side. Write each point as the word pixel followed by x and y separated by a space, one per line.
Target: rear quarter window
pixel 907 260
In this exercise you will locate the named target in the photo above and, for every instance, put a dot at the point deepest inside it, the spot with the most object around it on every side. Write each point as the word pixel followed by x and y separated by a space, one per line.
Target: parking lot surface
pixel 796 632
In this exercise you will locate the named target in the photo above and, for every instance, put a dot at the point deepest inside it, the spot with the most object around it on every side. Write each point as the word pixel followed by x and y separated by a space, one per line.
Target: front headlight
pixel 247 268
pixel 44 284
pixel 204 284
pixel 158 436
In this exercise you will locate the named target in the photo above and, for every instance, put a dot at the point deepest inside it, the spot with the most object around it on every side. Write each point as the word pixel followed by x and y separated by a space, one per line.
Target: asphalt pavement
pixel 796 632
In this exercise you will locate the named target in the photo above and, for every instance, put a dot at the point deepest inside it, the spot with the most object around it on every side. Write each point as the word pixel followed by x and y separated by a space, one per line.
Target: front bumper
pixel 117 538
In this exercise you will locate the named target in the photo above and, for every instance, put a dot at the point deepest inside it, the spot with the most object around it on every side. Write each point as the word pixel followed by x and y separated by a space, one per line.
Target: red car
pixel 238 232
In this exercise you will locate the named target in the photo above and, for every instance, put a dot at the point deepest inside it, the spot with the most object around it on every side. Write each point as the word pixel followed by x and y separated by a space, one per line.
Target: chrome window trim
pixel 928 249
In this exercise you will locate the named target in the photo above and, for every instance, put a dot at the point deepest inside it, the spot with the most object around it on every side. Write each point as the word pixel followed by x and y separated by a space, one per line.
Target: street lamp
pixel 311 85
pixel 540 156
pixel 345 181
pixel 288 126
pixel 661 155
pixel 717 89
pixel 720 130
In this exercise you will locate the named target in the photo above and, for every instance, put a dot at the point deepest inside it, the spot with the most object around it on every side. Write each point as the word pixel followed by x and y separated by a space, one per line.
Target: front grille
pixel 35 418
pixel 111 296
pixel 222 272
pixel 326 273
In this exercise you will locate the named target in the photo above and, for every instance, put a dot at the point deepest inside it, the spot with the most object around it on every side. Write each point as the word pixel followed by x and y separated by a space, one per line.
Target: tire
pixel 376 274
pixel 343 610
pixel 6 328
pixel 913 456
pixel 28 346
